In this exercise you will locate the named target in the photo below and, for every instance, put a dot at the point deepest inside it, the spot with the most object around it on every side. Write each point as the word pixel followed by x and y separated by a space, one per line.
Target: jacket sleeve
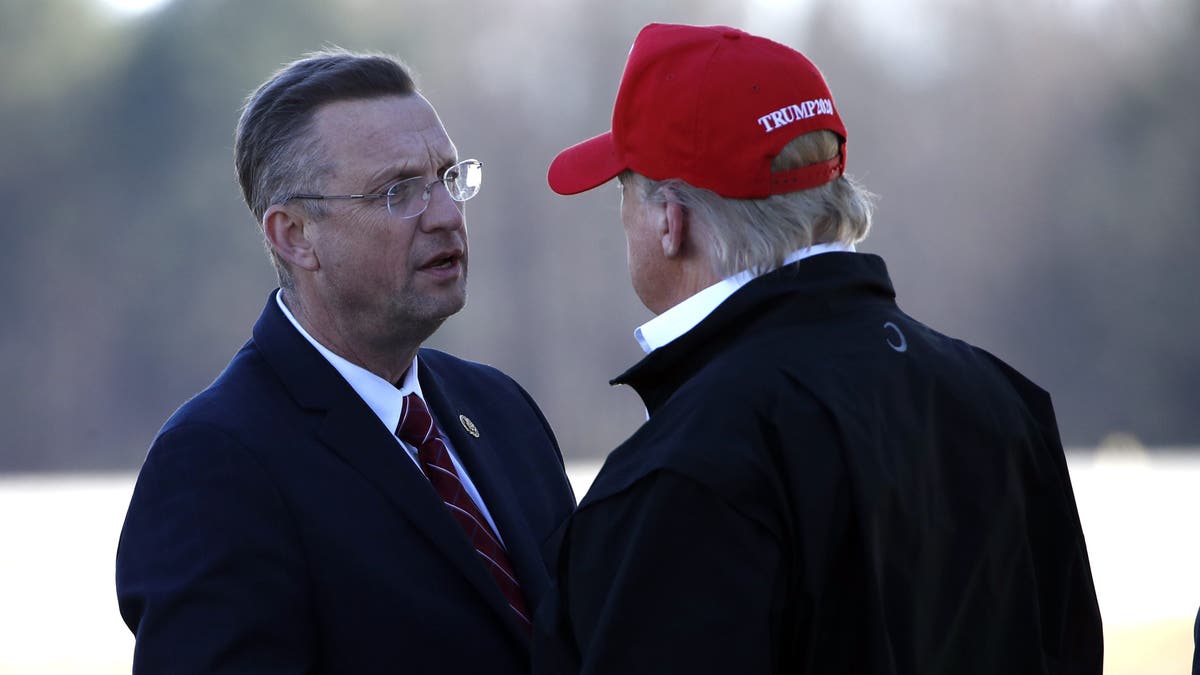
pixel 210 577
pixel 666 577
pixel 1071 623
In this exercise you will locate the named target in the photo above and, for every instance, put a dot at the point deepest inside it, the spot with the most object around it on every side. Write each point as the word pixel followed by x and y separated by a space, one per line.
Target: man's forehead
pixel 400 131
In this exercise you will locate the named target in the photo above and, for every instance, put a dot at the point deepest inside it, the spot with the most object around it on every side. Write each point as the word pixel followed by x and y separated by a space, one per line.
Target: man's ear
pixel 284 227
pixel 674 228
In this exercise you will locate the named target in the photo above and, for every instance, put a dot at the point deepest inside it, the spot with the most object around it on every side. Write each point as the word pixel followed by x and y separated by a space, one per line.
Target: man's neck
pixel 389 357
pixel 693 278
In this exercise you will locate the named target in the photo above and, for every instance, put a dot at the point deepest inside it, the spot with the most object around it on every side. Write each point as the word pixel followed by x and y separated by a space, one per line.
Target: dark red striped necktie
pixel 417 428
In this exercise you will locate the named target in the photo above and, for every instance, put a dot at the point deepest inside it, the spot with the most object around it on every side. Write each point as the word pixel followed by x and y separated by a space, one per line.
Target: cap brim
pixel 585 165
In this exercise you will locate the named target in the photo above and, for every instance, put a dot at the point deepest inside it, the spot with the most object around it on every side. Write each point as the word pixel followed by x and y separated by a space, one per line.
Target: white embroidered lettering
pixel 796 111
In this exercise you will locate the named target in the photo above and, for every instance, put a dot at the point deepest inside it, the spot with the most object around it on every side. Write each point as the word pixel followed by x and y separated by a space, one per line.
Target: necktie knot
pixel 416 424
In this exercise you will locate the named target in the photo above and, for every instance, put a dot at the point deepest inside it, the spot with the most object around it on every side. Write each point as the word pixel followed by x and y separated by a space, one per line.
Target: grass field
pixel 58 610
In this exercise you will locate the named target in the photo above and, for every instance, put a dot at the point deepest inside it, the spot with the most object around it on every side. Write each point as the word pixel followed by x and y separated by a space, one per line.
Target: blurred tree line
pixel 1037 163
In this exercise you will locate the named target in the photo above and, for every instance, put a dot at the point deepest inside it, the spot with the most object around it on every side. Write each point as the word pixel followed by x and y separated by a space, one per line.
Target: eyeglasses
pixel 409 198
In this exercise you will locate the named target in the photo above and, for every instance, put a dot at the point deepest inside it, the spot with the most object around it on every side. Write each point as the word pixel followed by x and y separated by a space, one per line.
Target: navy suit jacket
pixel 277 526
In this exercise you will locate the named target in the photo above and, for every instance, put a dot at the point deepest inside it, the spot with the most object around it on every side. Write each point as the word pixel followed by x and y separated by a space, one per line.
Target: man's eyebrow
pixel 392 173
pixel 403 170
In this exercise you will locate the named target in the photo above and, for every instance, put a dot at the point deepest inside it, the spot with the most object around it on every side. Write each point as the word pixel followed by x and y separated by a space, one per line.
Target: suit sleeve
pixel 210 577
pixel 668 578
pixel 1196 653
pixel 542 420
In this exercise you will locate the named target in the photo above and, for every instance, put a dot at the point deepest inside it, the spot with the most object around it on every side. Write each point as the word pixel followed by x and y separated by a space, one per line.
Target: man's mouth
pixel 444 261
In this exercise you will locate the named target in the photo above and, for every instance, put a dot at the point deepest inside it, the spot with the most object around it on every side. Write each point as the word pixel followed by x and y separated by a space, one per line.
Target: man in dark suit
pixel 1196 643
pixel 824 484
pixel 341 500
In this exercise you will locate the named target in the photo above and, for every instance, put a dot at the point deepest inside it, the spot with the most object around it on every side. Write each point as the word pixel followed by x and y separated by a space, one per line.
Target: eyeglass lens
pixel 408 198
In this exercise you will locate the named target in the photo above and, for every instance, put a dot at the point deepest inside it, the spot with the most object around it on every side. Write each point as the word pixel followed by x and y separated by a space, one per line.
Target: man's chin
pixel 442 308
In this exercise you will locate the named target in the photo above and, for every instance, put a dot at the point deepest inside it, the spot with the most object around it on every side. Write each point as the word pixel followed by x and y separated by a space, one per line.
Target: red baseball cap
pixel 712 106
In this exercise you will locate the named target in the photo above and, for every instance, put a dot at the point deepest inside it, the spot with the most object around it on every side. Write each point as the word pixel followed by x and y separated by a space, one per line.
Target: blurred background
pixel 1037 161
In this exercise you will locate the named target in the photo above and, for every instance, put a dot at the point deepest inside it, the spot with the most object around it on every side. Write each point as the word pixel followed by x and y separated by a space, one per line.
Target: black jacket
pixel 825 485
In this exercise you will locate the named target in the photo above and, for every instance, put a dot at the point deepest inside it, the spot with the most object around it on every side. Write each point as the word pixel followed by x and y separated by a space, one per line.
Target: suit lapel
pixel 351 430
pixel 484 462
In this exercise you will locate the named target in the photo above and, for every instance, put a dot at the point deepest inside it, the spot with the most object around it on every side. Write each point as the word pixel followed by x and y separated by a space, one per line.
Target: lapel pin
pixel 469 425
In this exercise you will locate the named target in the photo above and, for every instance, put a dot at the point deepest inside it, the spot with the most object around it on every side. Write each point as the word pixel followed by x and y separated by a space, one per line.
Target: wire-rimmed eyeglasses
pixel 409 198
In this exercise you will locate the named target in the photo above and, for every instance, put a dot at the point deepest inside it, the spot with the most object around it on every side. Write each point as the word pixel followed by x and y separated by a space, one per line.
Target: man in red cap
pixel 823 484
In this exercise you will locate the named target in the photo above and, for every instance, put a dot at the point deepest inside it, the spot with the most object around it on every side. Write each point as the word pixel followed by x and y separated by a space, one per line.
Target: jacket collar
pixel 813 287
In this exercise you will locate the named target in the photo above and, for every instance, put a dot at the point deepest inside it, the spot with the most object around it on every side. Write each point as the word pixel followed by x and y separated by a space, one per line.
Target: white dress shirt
pixel 387 401
pixel 673 323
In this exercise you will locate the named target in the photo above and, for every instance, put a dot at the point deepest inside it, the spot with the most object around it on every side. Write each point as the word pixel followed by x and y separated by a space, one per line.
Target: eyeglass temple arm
pixel 363 196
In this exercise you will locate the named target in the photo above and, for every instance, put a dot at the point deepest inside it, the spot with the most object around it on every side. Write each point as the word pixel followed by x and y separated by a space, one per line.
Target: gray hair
pixel 275 152
pixel 757 234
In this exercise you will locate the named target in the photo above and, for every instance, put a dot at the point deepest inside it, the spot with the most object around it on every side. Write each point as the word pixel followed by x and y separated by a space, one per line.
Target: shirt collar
pixel 681 318
pixel 385 399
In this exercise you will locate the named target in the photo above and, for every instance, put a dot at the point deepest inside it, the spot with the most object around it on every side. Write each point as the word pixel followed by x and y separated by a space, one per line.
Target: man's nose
pixel 441 212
